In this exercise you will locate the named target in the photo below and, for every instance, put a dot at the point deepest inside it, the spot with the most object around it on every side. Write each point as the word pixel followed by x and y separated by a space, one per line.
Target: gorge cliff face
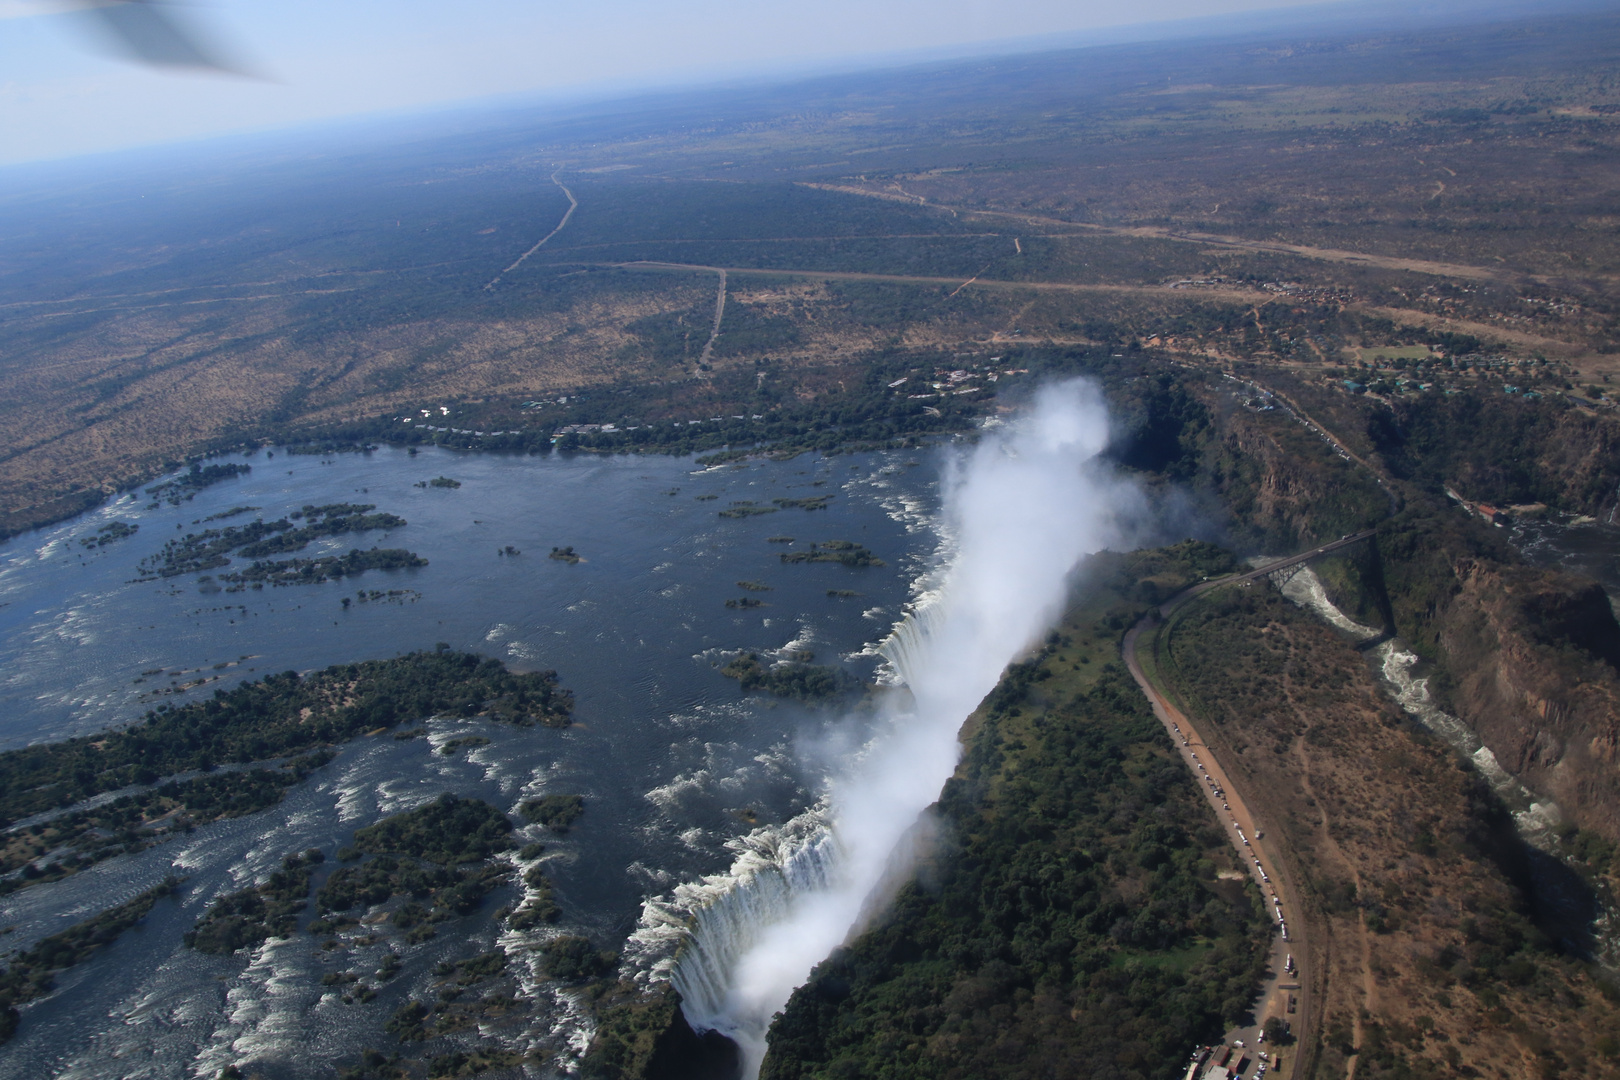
pixel 1529 658
pixel 1283 483
pixel 1503 449
pixel 1533 657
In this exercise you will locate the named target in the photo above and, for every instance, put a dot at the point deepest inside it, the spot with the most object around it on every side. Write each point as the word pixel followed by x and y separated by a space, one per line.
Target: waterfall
pixel 1021 509
pixel 906 647
pixel 760 892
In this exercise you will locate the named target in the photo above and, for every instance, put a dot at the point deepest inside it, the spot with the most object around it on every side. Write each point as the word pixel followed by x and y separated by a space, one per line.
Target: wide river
pixel 673 760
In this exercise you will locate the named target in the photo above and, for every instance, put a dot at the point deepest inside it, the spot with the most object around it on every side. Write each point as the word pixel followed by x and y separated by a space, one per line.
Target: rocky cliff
pixel 1529 658
pixel 1534 657
pixel 1284 484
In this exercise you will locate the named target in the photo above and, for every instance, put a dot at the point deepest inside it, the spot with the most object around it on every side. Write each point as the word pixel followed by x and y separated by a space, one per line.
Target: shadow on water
pixel 1562 904
pixel 1559 902
pixel 688 1055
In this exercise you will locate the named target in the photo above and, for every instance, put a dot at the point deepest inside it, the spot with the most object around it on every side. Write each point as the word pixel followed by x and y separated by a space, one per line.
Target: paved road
pixel 1255 848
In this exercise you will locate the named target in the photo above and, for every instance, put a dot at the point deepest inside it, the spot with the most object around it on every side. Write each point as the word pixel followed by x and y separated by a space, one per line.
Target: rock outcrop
pixel 1534 656
pixel 1284 484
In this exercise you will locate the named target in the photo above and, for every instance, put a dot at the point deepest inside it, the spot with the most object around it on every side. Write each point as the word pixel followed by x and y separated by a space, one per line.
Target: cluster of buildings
pixel 956 382
pixel 1495 515
pixel 609 429
pixel 1230 1063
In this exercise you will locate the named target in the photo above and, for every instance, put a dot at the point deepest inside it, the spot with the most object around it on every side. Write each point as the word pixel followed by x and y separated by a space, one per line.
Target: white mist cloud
pixel 1022 508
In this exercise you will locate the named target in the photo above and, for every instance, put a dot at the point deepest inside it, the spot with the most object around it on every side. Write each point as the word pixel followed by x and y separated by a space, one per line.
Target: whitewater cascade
pixel 1020 511
pixel 1537 819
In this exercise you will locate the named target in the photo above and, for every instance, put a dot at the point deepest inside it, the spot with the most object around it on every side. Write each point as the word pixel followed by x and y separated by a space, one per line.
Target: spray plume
pixel 1020 511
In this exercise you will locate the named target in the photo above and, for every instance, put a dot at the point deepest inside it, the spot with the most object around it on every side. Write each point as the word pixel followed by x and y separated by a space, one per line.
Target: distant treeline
pixel 763 408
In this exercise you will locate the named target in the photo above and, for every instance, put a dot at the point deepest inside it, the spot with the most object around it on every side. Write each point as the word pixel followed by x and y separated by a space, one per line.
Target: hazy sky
pixel 60 96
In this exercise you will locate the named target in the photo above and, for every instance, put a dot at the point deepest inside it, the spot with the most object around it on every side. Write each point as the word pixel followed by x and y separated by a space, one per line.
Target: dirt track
pixel 1154 232
pixel 573 204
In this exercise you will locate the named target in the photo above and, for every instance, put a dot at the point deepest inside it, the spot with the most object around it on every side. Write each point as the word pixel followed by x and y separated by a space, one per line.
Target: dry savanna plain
pixel 1281 202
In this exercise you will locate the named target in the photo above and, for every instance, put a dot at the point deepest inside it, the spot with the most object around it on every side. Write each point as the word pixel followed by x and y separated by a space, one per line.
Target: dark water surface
pixel 1591 548
pixel 669 755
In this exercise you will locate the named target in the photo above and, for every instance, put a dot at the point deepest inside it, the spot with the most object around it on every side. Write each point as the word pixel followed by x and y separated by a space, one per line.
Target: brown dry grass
pixel 148 387
pixel 1408 876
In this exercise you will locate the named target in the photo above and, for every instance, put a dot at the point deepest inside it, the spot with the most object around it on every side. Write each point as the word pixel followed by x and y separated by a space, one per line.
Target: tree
pixel 1277 1033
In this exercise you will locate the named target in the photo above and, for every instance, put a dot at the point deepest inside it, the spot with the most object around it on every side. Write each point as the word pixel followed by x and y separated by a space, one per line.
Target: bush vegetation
pixel 278 715
pixel 110 533
pixel 843 552
pixel 184 487
pixel 211 548
pixel 324 568
pixel 71 842
pixel 430 854
pixel 555 812
pixel 275 716
pixel 1502 449
pixel 1071 921
pixel 249 916
pixel 31 973
pixel 572 958
pixel 790 679
pixel 449 830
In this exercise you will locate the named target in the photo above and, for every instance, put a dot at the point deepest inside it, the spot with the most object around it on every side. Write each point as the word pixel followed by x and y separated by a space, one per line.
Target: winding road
pixel 1258 852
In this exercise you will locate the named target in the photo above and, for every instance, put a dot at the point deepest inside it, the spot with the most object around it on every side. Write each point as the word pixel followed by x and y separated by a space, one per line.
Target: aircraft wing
pixel 152 35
